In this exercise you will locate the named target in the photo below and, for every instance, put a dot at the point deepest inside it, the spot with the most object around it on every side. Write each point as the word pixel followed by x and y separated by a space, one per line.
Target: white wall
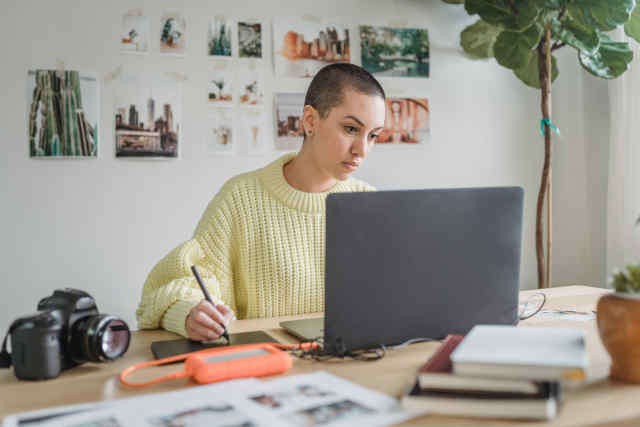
pixel 102 224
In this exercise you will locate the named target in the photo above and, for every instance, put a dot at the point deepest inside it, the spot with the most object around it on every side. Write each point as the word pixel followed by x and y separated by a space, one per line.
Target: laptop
pixel 417 264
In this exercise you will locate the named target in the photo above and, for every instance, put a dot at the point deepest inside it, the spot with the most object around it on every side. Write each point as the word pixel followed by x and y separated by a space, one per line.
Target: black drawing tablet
pixel 164 349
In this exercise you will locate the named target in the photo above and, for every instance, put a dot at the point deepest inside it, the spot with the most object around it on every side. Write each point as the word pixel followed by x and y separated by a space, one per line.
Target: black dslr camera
pixel 66 332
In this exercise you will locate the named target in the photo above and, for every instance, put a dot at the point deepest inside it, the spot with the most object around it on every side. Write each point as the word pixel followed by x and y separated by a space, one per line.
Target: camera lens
pixel 99 338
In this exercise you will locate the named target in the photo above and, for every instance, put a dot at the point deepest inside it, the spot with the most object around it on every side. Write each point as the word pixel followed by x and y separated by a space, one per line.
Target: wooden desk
pixel 600 402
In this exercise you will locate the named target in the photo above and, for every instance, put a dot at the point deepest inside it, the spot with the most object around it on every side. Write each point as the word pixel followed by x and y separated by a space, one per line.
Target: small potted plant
pixel 619 324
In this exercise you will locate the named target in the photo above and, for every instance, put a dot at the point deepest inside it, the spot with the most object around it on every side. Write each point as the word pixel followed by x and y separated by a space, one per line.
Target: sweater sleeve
pixel 170 290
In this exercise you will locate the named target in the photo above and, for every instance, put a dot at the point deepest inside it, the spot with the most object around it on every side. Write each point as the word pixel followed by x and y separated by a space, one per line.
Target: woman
pixel 259 245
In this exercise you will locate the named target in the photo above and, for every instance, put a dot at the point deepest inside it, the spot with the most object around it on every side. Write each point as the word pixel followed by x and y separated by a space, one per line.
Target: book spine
pixel 440 361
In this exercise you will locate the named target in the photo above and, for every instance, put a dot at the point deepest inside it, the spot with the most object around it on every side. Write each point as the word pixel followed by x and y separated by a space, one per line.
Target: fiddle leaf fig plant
pixel 523 34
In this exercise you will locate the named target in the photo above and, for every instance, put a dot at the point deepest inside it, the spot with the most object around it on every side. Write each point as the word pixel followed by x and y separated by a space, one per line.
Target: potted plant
pixel 619 324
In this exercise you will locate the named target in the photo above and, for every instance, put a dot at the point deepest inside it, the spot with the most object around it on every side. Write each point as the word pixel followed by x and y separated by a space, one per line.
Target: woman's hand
pixel 206 322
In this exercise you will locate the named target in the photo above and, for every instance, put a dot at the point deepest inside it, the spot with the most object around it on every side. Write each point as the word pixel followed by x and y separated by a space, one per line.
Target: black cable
pixel 319 353
pixel 544 300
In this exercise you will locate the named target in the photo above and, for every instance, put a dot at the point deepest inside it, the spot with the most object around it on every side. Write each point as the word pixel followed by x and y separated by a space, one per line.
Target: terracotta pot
pixel 618 317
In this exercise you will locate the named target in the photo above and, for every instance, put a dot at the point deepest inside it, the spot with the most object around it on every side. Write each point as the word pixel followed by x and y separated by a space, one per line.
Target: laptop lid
pixel 419 264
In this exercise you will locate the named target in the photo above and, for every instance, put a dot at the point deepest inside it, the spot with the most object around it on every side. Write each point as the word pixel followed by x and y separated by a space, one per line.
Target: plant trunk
pixel 544 69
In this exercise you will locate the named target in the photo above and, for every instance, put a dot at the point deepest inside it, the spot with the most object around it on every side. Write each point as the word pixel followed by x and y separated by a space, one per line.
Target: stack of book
pixel 500 372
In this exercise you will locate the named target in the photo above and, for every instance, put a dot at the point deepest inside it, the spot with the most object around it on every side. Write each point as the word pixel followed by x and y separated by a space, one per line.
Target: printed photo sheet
pixel 301 400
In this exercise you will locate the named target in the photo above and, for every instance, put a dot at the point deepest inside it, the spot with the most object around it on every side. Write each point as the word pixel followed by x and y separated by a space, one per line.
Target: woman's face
pixel 341 141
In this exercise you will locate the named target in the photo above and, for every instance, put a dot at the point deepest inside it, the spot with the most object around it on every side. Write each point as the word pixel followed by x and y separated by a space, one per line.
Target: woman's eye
pixel 350 129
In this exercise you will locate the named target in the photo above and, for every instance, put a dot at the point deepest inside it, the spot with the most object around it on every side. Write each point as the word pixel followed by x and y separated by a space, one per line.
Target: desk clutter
pixel 309 399
pixel 500 372
pixel 502 392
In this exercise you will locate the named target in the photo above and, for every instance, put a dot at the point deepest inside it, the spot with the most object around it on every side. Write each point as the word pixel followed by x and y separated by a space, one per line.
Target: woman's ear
pixel 310 118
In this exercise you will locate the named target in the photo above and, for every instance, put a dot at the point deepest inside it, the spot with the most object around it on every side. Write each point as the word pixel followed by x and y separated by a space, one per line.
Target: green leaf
pixel 551 4
pixel 627 281
pixel 454 1
pixel 634 274
pixel 576 34
pixel 500 13
pixel 632 27
pixel 513 50
pixel 609 61
pixel 530 74
pixel 604 15
pixel 477 40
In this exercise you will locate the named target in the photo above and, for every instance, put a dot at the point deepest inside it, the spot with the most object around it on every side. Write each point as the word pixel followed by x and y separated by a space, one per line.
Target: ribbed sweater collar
pixel 272 176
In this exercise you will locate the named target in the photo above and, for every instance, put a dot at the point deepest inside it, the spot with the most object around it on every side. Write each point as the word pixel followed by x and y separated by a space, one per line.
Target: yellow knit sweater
pixel 259 247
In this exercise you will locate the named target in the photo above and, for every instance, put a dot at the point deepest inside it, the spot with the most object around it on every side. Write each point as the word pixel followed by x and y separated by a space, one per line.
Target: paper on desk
pixel 323 399
pixel 302 400
pixel 40 416
pixel 82 414
pixel 552 314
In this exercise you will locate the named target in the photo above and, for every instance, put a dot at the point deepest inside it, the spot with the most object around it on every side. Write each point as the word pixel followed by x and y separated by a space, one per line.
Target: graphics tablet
pixel 164 349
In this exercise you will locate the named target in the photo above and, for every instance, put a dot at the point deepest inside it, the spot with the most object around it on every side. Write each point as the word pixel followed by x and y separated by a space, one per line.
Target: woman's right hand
pixel 206 322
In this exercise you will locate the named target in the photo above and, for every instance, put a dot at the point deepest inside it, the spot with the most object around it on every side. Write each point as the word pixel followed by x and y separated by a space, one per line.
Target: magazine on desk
pixel 301 400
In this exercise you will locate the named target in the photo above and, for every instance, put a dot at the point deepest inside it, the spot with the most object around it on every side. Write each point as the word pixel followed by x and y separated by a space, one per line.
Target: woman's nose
pixel 359 147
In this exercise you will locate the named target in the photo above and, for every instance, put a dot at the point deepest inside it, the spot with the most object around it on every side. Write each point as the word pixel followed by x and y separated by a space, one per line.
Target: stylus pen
pixel 207 296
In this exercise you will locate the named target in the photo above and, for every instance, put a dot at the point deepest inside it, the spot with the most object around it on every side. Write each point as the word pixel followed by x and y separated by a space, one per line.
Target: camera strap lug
pixel 5 356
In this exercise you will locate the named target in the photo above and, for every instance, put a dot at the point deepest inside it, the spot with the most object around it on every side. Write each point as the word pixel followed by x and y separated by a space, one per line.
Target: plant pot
pixel 618 317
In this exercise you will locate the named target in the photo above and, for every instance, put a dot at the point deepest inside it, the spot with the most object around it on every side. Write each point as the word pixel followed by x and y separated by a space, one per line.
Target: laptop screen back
pixel 420 264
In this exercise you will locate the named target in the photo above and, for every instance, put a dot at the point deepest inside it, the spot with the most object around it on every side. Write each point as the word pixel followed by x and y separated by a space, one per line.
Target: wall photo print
pixel 250 40
pixel 135 36
pixel 220 88
pixel 395 52
pixel 289 128
pixel 301 48
pixel 220 138
pixel 148 115
pixel 253 130
pixel 62 113
pixel 407 121
pixel 173 33
pixel 219 37
pixel 251 84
